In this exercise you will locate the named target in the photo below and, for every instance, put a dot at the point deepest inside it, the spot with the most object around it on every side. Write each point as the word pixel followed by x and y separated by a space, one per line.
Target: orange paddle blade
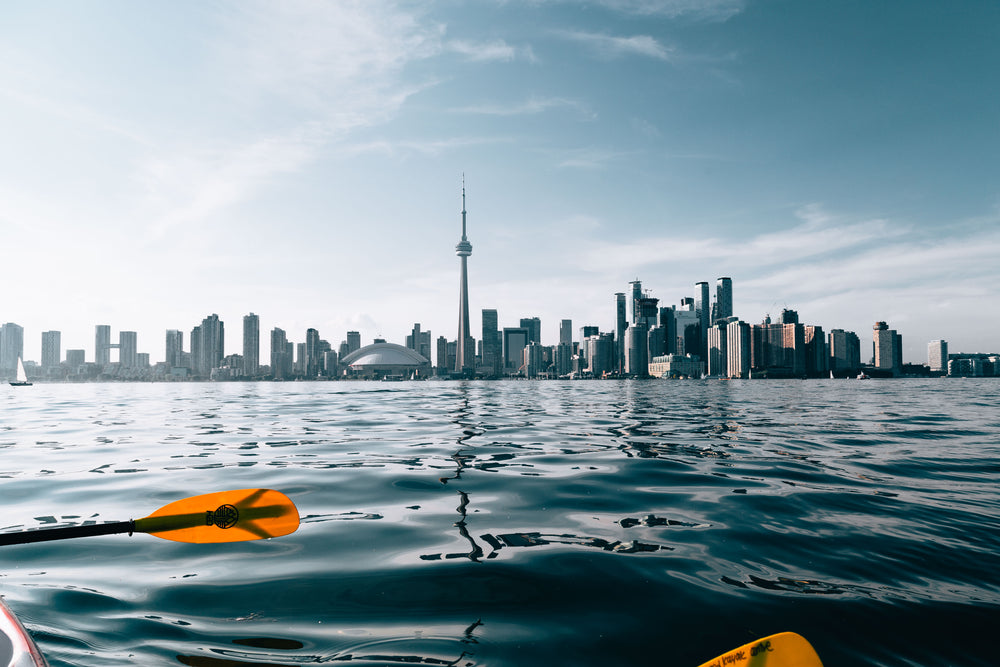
pixel 226 516
pixel 785 649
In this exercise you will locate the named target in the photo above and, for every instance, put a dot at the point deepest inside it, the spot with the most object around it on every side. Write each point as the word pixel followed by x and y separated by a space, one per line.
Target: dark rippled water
pixel 513 523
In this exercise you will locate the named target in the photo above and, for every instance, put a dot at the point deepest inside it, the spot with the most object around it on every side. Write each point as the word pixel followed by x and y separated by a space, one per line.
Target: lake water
pixel 513 523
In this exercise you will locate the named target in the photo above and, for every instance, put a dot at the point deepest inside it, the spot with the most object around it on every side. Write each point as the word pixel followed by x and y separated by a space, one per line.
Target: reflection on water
pixel 512 523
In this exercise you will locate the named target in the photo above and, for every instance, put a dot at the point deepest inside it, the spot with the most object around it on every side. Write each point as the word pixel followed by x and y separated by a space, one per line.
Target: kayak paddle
pixel 225 516
pixel 785 649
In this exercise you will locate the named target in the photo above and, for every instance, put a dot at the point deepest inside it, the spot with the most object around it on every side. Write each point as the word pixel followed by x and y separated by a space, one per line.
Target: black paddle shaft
pixel 46 535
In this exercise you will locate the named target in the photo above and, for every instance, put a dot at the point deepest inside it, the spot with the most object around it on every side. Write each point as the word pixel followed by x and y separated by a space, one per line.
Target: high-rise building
pixel 533 359
pixel 311 360
pixel 51 349
pixel 845 351
pixel 175 349
pixel 718 350
pixel 75 359
pixel 738 349
pixel 353 342
pixel 703 309
pixel 492 344
pixel 466 350
pixel 937 356
pixel 621 313
pixel 816 357
pixel 420 341
pixel 656 341
pixel 635 294
pixel 210 346
pixel 515 339
pixel 534 327
pixel 887 348
pixel 444 364
pixel 251 345
pixel 281 363
pixel 102 345
pixel 566 332
pixel 636 351
pixel 128 349
pixel 602 354
pixel 723 299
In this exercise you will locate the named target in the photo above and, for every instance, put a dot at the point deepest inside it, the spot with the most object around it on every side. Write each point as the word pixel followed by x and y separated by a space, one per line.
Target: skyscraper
pixel 128 349
pixel 887 348
pixel 534 327
pixel 11 345
pixel 491 342
pixel 937 356
pixel 281 362
pixel 353 341
pixel 175 348
pixel 566 332
pixel 311 362
pixel 723 299
pixel 102 345
pixel 251 345
pixel 703 309
pixel 466 349
pixel 621 325
pixel 51 349
pixel 209 352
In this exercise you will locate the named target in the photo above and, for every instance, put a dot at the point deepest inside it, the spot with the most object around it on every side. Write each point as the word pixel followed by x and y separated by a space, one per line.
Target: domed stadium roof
pixel 384 355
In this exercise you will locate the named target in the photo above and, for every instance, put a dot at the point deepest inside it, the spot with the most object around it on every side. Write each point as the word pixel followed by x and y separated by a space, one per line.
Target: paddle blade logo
pixel 226 516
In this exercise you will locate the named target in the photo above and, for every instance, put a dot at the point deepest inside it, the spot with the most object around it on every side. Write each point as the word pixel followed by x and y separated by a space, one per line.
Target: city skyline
pixel 303 161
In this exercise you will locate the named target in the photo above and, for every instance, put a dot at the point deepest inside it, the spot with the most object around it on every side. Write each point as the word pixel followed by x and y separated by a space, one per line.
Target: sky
pixel 305 160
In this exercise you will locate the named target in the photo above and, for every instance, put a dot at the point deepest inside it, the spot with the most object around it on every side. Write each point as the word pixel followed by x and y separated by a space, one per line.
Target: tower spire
pixel 465 345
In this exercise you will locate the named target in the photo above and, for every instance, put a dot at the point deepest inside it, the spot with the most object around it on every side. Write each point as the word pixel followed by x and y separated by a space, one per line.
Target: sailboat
pixel 22 377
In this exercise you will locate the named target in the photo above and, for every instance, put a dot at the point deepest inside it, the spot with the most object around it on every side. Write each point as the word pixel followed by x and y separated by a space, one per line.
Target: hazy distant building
pixel 887 348
pixel 845 351
pixel 515 339
pixel 466 346
pixel 75 359
pixel 353 342
pixel 621 323
pixel 51 349
pixel 419 341
pixel 207 341
pixel 251 345
pixel 128 349
pixel 636 351
pixel 566 332
pixel 738 349
pixel 102 345
pixel 723 299
pixel 937 356
pixel 492 343
pixel 534 327
pixel 718 362
pixel 703 309
pixel 174 349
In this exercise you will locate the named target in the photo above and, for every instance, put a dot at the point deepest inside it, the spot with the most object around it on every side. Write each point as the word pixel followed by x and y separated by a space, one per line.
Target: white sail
pixel 21 375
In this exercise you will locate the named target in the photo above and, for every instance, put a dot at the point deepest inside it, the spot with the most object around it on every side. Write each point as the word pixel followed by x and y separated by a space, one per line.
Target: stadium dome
pixel 382 359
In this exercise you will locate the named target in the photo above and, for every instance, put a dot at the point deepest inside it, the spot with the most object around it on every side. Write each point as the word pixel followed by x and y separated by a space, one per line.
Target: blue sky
pixel 304 161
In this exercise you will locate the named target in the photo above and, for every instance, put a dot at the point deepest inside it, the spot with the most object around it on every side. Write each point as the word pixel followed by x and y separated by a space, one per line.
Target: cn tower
pixel 465 347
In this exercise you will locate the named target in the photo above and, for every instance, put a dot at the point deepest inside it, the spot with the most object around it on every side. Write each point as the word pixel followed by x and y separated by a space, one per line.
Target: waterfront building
pixel 102 345
pixel 128 349
pixel 703 310
pixel 649 312
pixel 723 299
pixel 602 354
pixel 419 341
pixel 816 357
pixel 492 344
pixel 563 360
pixel 142 360
pixel 281 363
pixel 353 341
pixel 687 328
pixel 311 360
pixel 207 341
pixel 633 301
pixel 75 360
pixel 718 362
pixel 51 350
pixel 251 345
pixel 466 347
pixel 656 342
pixel 676 366
pixel 533 359
pixel 621 323
pixel 515 339
pixel 386 360
pixel 331 364
pixel 937 356
pixel 566 332
pixel 887 347
pixel 738 349
pixel 845 351
pixel 534 327
pixel 300 359
pixel 174 349
pixel 636 351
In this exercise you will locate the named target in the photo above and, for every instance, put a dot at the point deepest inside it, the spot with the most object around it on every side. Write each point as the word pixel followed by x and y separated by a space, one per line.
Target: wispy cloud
pixel 531 106
pixel 426 147
pixel 711 10
pixel 495 50
pixel 610 46
pixel 590 158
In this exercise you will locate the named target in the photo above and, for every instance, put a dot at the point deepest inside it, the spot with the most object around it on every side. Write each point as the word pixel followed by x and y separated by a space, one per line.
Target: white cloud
pixel 609 46
pixel 531 106
pixel 495 50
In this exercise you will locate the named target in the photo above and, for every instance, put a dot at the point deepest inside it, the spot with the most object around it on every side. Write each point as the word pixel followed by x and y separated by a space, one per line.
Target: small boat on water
pixel 22 377
pixel 16 645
